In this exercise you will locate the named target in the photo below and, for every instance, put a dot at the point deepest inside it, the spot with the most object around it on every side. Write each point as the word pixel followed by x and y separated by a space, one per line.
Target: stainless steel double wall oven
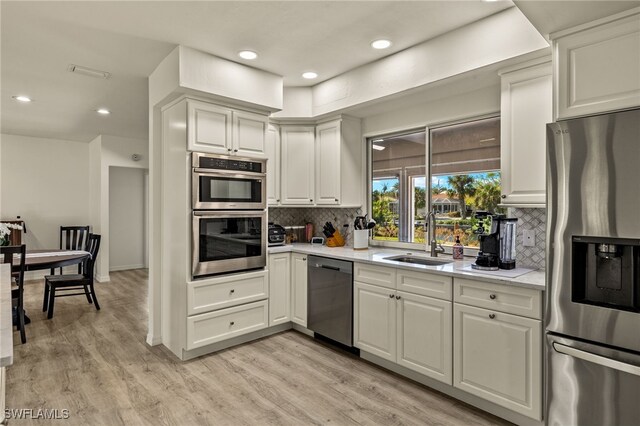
pixel 229 214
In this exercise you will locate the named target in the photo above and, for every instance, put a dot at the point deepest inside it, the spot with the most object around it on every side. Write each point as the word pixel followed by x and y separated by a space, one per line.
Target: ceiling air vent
pixel 77 69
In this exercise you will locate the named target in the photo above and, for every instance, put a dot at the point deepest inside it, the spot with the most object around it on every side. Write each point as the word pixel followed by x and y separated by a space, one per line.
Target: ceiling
pixel 129 39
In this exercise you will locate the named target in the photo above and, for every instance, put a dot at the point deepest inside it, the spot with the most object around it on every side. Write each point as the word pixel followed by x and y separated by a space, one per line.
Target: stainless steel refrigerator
pixel 593 271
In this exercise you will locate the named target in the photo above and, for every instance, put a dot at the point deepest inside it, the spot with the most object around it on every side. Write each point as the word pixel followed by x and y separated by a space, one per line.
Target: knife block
pixel 336 240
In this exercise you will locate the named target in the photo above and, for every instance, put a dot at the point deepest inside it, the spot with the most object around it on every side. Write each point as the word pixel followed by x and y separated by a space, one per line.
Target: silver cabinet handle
pixel 492 296
pixel 492 316
pixel 391 296
pixel 597 359
pixel 398 297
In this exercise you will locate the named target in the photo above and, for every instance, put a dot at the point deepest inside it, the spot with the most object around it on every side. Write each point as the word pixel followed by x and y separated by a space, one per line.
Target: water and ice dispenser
pixel 606 272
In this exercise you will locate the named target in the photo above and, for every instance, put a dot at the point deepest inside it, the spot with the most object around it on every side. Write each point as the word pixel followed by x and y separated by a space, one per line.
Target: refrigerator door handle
pixel 597 359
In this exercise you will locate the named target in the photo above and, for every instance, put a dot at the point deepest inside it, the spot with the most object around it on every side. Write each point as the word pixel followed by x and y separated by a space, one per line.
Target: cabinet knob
pixel 232 323
pixel 492 296
pixel 391 296
pixel 232 291
pixel 235 150
pixel 304 259
pixel 229 149
pixel 503 196
pixel 398 297
pixel 336 200
pixel 278 200
pixel 310 200
pixel 492 316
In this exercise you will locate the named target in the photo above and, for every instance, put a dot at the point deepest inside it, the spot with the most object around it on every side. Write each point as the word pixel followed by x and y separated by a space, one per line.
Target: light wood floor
pixel 98 366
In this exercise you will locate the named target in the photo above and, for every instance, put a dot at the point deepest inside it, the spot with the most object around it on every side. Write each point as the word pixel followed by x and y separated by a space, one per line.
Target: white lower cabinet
pixel 411 330
pixel 299 289
pixel 374 327
pixel 279 288
pixel 424 338
pixel 212 327
pixel 497 357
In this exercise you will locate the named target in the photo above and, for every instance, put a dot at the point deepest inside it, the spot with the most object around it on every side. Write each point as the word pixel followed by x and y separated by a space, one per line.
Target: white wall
pixel 45 181
pixel 434 111
pixel 106 152
pixel 126 218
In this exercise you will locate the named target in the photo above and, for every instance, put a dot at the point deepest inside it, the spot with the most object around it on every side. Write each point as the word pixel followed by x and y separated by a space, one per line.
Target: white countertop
pixel 534 279
pixel 6 324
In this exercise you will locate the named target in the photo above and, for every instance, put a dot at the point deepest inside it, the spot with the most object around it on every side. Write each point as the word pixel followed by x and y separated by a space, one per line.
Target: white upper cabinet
pixel 297 165
pixel 598 66
pixel 272 151
pixel 321 164
pixel 249 133
pixel 208 128
pixel 220 130
pixel 328 141
pixel 525 110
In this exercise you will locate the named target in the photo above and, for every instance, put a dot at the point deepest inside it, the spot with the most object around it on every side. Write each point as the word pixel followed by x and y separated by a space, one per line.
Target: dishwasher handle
pixel 333 268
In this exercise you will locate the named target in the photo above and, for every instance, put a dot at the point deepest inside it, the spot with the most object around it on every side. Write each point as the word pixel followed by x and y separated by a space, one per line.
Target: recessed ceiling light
pixel 247 54
pixel 22 98
pixel 380 44
pixel 309 75
pixel 103 111
pixel 378 147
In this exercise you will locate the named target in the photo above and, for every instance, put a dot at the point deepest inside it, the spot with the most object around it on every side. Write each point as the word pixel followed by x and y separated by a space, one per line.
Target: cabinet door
pixel 598 68
pixel 297 165
pixel 279 288
pixel 299 289
pixel 526 108
pixel 328 153
pixel 208 128
pixel 425 335
pixel 497 357
pixel 272 150
pixel 249 134
pixel 374 325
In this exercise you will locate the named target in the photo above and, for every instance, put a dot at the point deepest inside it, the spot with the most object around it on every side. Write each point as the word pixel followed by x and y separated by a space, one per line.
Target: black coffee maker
pixel 497 244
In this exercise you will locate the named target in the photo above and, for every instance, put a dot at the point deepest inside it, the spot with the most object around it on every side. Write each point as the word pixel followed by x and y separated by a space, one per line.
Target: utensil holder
pixel 336 240
pixel 361 239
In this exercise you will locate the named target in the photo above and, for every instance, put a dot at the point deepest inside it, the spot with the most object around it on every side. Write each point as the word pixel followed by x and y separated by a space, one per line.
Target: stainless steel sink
pixel 419 260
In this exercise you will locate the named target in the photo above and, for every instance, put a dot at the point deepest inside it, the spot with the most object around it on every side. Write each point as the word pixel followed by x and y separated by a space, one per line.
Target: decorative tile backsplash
pixel 318 216
pixel 526 257
pixel 535 220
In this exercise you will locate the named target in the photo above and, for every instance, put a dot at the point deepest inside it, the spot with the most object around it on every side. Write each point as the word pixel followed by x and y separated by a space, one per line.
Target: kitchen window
pixel 453 168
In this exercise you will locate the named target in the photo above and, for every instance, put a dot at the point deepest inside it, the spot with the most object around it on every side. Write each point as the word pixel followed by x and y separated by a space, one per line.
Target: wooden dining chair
pixel 17 274
pixel 73 238
pixel 60 285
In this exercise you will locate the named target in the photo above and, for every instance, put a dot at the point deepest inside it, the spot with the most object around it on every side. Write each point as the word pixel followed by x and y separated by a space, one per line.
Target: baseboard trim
pixel 126 267
pixel 154 340
pixel 103 278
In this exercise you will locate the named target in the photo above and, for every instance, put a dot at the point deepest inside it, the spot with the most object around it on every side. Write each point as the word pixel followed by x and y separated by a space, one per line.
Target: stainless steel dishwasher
pixel 330 298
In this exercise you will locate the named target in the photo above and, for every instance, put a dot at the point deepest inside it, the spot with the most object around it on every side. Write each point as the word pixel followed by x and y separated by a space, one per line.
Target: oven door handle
pixel 227 213
pixel 228 173
pixel 597 359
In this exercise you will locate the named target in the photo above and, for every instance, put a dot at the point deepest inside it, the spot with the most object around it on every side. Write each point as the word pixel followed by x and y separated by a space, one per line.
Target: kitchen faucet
pixel 431 223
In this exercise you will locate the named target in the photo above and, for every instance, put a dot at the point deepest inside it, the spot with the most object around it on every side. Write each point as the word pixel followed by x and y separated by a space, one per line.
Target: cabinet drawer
pixel 224 324
pixel 432 285
pixel 377 275
pixel 503 298
pixel 217 293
